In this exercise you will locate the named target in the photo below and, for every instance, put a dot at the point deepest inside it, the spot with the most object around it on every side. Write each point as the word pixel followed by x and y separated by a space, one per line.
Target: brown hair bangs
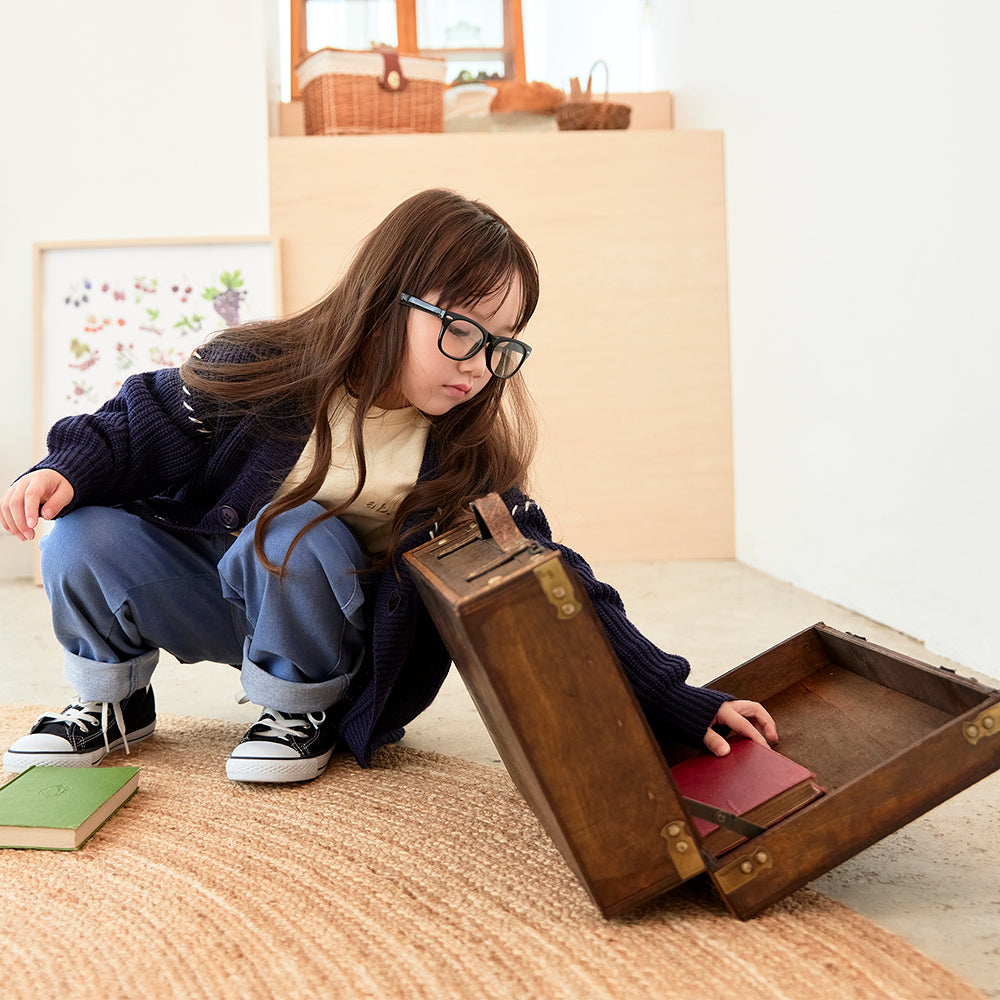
pixel 356 338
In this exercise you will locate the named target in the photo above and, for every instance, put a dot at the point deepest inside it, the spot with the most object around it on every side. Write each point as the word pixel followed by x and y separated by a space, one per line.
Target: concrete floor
pixel 934 882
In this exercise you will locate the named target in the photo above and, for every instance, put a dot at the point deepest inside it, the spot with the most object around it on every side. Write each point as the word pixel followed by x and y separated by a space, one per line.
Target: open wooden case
pixel 888 736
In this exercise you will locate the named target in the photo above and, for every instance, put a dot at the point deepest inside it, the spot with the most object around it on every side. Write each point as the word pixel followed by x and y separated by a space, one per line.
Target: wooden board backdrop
pixel 630 368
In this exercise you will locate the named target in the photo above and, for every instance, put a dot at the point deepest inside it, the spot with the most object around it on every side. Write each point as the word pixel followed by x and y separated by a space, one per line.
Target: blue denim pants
pixel 121 589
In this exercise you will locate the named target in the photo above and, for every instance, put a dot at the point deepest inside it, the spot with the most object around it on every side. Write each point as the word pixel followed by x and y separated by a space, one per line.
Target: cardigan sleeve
pixel 676 711
pixel 138 444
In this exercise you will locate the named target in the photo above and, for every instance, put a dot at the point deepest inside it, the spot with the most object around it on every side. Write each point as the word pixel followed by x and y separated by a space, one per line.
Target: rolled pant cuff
pixel 269 691
pixel 108 682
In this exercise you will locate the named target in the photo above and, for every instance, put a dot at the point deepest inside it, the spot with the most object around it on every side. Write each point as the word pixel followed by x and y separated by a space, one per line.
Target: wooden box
pixel 889 737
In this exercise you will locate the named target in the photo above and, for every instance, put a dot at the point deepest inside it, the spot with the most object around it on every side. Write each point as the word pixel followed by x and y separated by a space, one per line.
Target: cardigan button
pixel 229 517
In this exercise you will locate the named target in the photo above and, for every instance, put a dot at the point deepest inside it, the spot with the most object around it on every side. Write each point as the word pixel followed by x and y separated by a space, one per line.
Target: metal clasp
pixel 744 869
pixel 557 588
pixel 683 850
pixel 987 723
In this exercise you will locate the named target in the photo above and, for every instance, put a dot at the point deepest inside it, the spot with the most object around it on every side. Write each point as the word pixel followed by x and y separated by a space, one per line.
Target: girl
pixel 254 506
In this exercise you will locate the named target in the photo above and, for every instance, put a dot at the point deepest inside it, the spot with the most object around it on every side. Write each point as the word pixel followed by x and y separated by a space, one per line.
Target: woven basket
pixel 347 92
pixel 582 112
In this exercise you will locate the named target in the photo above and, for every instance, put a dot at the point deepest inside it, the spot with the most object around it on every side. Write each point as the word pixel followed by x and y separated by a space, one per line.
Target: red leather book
pixel 751 781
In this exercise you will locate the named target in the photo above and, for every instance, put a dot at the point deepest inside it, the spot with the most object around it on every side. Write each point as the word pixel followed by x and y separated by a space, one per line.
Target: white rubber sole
pixel 276 770
pixel 17 760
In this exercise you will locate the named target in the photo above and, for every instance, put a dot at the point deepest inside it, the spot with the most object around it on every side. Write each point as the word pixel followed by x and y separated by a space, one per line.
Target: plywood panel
pixel 631 362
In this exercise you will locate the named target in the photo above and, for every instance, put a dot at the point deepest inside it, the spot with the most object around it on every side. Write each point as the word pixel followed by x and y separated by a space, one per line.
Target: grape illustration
pixel 226 302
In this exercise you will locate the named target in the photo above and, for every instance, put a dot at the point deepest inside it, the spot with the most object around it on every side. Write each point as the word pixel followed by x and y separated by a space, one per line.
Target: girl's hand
pixel 746 718
pixel 42 493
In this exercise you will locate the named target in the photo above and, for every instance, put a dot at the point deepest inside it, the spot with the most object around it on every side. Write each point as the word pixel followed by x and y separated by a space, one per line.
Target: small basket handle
pixel 590 79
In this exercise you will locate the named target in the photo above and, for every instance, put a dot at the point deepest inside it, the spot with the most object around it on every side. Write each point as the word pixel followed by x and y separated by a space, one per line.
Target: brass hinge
pixel 683 849
pixel 985 724
pixel 559 591
pixel 744 869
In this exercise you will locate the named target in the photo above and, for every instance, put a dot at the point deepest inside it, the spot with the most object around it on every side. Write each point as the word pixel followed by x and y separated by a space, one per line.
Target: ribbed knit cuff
pixel 689 712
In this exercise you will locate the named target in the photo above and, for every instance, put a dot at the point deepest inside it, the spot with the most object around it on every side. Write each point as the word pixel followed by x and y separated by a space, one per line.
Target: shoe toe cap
pixel 41 743
pixel 265 749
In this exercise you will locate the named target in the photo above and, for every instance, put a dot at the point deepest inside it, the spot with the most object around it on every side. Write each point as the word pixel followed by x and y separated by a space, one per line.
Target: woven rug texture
pixel 421 877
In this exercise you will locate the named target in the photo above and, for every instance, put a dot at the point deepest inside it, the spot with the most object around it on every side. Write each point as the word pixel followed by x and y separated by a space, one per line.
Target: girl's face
pixel 434 383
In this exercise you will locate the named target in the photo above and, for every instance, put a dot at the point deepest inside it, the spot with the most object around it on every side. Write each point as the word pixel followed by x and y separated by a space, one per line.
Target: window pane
pixel 460 24
pixel 350 24
pixel 469 70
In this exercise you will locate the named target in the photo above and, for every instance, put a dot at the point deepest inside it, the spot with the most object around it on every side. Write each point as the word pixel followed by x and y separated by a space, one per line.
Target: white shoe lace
pixel 88 713
pixel 283 726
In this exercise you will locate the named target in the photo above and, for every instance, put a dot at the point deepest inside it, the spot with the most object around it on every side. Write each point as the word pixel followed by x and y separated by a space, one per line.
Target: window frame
pixel 511 54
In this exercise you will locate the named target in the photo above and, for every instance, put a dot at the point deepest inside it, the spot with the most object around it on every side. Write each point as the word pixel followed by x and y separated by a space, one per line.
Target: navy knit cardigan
pixel 158 451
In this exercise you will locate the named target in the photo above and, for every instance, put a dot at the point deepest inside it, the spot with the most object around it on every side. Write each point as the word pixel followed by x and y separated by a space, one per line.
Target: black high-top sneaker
pixel 284 746
pixel 84 733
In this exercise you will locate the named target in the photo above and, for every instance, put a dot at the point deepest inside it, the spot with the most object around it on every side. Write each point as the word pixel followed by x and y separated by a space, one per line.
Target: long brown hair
pixel 356 337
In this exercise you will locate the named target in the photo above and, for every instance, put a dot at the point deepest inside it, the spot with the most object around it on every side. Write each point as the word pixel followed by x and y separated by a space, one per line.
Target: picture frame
pixel 106 309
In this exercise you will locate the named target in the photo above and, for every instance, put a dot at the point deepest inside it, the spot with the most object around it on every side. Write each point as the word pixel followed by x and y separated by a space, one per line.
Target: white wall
pixel 119 120
pixel 863 224
pixel 564 38
pixel 862 159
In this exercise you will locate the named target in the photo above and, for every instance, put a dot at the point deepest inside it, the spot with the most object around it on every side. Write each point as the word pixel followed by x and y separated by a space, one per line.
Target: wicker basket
pixel 347 92
pixel 581 112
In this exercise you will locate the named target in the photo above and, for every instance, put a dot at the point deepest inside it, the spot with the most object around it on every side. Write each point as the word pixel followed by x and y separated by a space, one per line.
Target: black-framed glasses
pixel 462 338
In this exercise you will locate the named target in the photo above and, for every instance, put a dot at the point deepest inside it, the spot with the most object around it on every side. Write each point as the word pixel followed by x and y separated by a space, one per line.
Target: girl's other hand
pixel 744 718
pixel 43 493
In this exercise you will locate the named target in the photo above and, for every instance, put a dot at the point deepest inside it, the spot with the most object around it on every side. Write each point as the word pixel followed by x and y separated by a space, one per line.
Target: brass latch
pixel 559 591
pixel 985 724
pixel 742 870
pixel 683 850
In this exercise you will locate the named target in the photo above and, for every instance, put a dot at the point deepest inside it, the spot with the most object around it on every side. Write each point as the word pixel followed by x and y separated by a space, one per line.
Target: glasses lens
pixel 461 339
pixel 506 357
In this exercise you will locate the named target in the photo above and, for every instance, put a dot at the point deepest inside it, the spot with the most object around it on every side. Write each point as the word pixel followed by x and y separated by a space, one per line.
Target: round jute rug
pixel 421 877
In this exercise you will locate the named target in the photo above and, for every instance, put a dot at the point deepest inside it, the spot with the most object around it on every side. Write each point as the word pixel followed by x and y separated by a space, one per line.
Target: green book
pixel 58 808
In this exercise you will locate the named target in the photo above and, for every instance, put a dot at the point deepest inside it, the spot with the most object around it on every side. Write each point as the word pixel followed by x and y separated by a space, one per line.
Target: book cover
pixel 751 781
pixel 58 808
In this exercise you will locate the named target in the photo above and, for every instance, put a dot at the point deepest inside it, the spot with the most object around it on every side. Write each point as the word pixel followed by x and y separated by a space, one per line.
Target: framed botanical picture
pixel 104 310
